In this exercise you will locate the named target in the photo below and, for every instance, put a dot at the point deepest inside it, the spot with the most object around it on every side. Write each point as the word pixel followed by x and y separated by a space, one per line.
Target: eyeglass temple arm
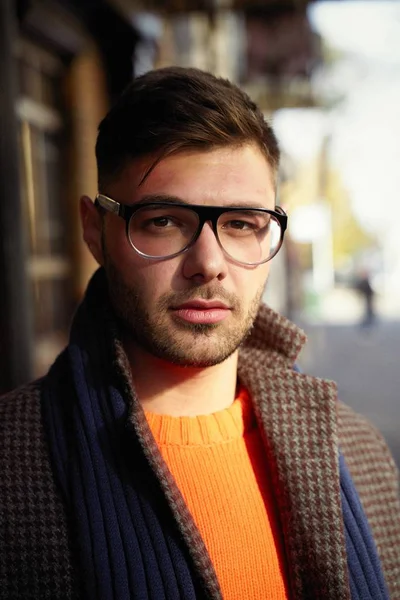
pixel 284 217
pixel 109 204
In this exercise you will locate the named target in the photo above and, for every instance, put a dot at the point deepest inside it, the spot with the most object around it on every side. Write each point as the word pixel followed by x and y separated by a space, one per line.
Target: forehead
pixel 223 176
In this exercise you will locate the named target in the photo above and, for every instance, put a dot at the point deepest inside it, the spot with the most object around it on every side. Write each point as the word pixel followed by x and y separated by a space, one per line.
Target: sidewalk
pixel 364 363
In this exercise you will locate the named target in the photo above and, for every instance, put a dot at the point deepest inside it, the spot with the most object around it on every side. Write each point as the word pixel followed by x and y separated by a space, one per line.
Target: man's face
pixel 194 309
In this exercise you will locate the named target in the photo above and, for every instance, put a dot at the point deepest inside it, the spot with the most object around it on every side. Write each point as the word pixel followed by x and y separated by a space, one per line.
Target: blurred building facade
pixel 62 64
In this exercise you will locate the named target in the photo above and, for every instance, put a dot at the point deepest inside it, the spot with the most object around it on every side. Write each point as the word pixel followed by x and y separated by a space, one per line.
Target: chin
pixel 194 346
pixel 201 358
pixel 191 363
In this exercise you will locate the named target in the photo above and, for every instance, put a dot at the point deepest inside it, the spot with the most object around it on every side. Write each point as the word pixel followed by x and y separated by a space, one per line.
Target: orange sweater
pixel 219 464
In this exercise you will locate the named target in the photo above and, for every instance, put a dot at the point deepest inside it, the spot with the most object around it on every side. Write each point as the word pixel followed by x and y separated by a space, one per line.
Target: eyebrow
pixel 167 199
pixel 161 198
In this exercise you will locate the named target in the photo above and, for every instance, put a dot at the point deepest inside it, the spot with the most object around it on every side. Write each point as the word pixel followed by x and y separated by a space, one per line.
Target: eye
pixel 241 225
pixel 161 222
pixel 244 221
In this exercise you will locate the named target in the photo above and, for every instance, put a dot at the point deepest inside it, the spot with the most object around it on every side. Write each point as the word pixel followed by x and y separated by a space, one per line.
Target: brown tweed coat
pixel 303 426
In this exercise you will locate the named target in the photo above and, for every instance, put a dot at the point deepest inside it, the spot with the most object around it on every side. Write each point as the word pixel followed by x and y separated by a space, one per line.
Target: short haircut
pixel 174 109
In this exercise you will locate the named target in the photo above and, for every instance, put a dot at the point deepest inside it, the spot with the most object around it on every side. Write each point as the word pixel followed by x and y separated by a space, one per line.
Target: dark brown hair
pixel 174 109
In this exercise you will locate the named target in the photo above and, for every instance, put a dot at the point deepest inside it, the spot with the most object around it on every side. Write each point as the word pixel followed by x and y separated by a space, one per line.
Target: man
pixel 367 293
pixel 173 451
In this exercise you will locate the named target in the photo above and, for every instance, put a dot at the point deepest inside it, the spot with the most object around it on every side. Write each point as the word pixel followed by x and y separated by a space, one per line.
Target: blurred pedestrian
pixel 173 451
pixel 364 287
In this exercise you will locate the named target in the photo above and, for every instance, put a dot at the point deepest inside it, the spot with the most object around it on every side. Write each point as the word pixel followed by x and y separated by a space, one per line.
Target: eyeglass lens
pixel 247 236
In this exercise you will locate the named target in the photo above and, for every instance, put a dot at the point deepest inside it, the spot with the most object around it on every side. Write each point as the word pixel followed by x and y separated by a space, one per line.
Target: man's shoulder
pixel 361 441
pixel 21 424
pixel 21 427
pixel 368 457
pixel 21 401
pixel 27 389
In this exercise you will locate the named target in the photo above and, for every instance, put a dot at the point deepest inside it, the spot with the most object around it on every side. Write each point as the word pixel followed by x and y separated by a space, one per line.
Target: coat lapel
pixel 297 416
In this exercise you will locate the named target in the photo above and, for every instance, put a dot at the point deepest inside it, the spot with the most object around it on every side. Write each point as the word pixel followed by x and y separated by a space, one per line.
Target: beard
pixel 179 342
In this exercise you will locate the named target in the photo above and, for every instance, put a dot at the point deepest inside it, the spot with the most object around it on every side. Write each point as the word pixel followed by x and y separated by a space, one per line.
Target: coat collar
pixel 275 335
pixel 297 416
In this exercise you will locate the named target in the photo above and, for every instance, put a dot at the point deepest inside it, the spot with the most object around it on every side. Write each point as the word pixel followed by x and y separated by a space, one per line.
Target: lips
pixel 202 305
pixel 202 311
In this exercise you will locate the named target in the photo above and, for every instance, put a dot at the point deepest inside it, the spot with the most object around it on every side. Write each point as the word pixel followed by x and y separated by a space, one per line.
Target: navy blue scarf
pixel 128 543
pixel 365 572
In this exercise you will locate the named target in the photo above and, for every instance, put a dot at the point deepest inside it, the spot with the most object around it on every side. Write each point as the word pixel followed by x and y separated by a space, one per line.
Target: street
pixel 366 366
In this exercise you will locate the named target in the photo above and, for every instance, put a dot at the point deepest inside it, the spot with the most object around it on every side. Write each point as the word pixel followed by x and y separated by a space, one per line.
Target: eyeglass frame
pixel 204 213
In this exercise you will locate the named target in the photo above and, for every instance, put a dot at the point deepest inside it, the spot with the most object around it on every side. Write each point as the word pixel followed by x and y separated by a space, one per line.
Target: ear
pixel 92 228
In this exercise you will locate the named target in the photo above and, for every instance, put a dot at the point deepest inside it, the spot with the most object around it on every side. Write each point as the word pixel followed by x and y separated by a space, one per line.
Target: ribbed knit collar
pixel 203 430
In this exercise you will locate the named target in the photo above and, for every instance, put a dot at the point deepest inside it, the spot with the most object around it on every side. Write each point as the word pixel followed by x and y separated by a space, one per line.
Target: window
pixel 42 131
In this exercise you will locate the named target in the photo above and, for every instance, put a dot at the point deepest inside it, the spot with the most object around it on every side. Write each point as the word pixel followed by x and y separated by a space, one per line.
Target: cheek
pixel 150 280
pixel 124 258
pixel 147 278
pixel 249 282
pixel 117 245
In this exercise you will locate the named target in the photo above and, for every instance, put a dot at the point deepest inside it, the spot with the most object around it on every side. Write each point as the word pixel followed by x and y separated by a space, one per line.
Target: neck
pixel 177 391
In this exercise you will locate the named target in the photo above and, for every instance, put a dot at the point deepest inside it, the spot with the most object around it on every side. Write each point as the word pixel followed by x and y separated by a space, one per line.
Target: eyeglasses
pixel 161 230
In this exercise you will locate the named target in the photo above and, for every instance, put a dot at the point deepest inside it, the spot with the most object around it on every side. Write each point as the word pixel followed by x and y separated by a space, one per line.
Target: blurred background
pixel 327 75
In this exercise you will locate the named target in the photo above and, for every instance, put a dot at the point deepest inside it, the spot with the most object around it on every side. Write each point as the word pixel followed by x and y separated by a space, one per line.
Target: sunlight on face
pixel 194 309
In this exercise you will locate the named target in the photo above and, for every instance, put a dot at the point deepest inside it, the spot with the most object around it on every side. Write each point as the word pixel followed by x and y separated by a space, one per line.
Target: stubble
pixel 174 340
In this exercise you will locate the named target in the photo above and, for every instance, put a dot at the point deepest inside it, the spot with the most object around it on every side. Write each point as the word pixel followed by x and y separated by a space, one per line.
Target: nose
pixel 205 260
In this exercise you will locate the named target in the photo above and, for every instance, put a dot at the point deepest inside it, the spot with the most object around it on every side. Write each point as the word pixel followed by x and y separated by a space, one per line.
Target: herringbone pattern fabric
pixel 35 561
